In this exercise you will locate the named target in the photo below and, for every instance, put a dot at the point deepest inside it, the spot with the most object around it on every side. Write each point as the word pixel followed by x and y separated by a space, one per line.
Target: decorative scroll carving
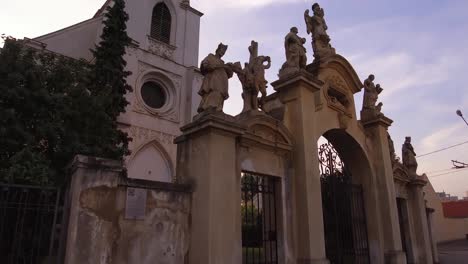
pixel 337 95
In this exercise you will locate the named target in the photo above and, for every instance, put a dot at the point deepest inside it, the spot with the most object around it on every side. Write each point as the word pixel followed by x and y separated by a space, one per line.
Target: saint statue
pixel 317 25
pixel 252 78
pixel 409 156
pixel 296 58
pixel 371 95
pixel 214 89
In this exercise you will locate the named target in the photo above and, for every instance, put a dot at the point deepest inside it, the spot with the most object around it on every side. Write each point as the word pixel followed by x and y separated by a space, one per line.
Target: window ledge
pixel 152 185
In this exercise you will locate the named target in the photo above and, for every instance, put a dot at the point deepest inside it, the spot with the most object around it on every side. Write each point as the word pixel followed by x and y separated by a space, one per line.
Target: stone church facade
pixel 163 60
pixel 205 187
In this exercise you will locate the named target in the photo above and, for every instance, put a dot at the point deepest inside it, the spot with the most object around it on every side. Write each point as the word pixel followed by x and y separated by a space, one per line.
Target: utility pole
pixel 460 114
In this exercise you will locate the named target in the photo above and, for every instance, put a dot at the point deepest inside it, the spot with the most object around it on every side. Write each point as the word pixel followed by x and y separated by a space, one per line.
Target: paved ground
pixel 454 252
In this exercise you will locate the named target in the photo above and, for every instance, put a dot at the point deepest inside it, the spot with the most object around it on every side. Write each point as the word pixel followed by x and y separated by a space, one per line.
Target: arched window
pixel 161 23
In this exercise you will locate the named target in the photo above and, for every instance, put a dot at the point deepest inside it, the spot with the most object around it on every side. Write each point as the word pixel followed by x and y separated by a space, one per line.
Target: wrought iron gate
pixel 343 211
pixel 259 222
pixel 29 224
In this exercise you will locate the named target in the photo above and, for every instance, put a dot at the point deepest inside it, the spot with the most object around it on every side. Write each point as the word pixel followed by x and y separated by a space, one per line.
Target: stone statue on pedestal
pixel 409 156
pixel 214 90
pixel 318 27
pixel 252 78
pixel 296 58
pixel 371 95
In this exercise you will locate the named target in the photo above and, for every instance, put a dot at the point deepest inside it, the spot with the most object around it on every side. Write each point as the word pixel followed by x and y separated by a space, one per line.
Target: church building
pixel 163 60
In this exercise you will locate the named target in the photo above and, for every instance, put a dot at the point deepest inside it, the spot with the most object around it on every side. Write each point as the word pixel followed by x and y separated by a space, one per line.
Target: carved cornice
pixel 145 135
pixel 380 120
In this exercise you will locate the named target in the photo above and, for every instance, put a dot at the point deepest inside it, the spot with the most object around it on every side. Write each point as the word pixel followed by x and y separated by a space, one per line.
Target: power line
pixel 451 169
pixel 436 151
pixel 447 173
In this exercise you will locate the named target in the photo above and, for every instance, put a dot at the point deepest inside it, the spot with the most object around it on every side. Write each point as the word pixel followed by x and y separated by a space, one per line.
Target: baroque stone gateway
pixel 299 177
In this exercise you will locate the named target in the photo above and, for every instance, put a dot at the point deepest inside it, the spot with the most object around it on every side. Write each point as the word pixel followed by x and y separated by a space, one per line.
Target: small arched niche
pixel 151 163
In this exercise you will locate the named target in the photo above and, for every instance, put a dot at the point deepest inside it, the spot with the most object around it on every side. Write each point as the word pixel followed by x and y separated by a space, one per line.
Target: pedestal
pixel 421 227
pixel 207 160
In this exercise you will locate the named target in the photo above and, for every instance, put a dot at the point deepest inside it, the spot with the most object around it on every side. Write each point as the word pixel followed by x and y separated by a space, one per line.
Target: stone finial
pixel 317 25
pixel 409 156
pixel 215 87
pixel 296 58
pixel 370 108
pixel 252 78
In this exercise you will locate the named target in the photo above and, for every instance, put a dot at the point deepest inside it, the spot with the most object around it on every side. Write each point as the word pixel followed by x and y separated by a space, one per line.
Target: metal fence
pixel 29 224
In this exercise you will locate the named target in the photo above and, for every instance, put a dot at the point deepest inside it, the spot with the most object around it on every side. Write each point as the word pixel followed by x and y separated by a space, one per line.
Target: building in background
pixel 447 197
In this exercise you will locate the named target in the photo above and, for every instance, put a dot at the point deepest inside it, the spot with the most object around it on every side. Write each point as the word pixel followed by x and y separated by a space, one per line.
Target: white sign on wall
pixel 135 206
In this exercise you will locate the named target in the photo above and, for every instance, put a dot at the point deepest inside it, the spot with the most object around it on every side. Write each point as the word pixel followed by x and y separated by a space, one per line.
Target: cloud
pixel 208 5
pixel 398 71
pixel 443 137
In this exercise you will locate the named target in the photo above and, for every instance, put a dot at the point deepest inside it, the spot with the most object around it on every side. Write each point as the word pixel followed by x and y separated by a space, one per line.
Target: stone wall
pixel 98 230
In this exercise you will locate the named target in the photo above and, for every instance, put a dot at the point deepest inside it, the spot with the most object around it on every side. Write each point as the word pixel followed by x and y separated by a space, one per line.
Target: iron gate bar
pixel 343 211
pixel 259 239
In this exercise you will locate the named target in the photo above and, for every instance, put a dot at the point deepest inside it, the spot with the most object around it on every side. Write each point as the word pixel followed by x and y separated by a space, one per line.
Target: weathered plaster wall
pixel 445 229
pixel 99 232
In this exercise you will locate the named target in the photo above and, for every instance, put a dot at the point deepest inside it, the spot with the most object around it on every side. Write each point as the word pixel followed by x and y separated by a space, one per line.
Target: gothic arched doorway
pixel 344 216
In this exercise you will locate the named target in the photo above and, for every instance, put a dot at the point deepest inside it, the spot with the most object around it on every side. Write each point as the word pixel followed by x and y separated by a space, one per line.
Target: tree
pixel 54 107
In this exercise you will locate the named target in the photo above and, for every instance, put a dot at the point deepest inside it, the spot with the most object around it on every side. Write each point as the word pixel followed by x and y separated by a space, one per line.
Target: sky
pixel 418 51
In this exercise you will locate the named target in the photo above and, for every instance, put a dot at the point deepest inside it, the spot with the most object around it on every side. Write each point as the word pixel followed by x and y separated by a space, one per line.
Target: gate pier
pixel 382 164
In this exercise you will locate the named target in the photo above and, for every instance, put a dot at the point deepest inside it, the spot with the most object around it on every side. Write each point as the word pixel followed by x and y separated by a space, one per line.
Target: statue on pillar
pixel 371 95
pixel 252 78
pixel 409 156
pixel 296 58
pixel 391 147
pixel 214 89
pixel 318 27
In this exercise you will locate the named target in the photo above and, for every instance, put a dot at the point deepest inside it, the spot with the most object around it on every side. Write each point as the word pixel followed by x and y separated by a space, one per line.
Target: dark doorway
pixel 343 211
pixel 259 222
pixel 404 228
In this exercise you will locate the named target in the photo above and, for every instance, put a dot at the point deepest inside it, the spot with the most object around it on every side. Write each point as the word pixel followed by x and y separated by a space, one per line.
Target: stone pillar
pixel 376 129
pixel 207 159
pixel 430 224
pixel 296 92
pixel 418 207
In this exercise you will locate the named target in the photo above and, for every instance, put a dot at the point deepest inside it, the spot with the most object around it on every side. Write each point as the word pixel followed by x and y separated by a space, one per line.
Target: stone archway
pixel 345 175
